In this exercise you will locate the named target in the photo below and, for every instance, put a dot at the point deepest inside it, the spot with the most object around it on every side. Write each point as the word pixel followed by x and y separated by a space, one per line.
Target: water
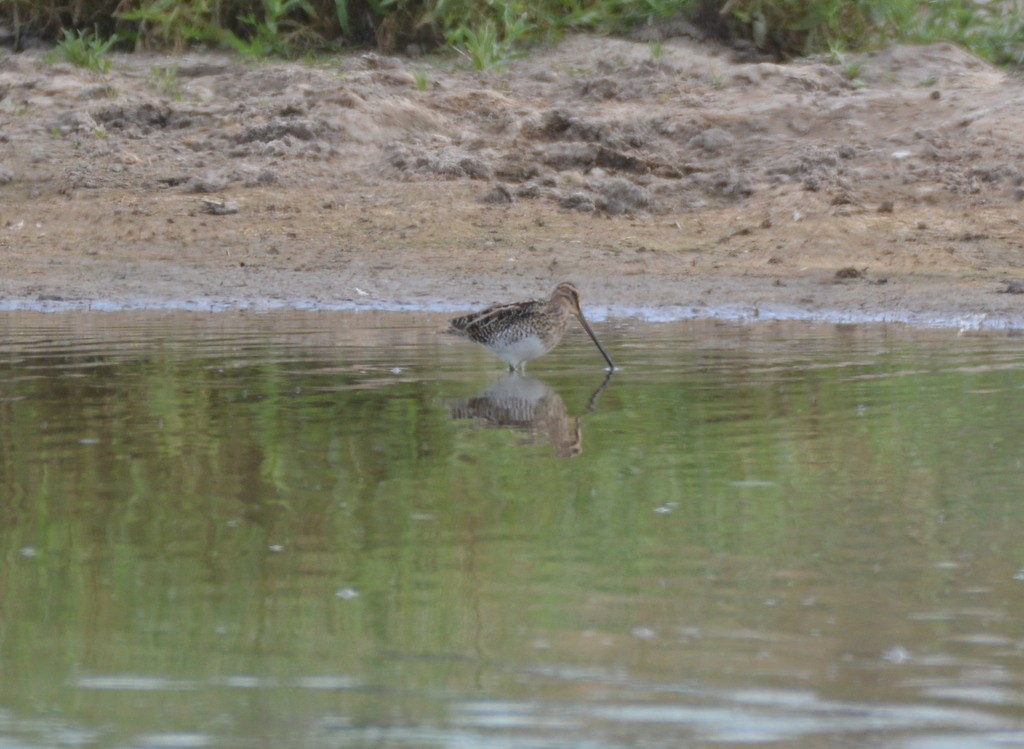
pixel 342 530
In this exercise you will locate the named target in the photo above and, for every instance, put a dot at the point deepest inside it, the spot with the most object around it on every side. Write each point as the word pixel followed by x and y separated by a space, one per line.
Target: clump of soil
pixel 690 183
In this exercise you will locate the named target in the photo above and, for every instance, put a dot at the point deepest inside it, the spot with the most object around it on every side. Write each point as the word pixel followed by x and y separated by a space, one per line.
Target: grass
pixel 851 69
pixel 84 49
pixel 795 27
pixel 166 81
pixel 489 33
pixel 272 32
pixel 482 46
pixel 718 80
pixel 990 30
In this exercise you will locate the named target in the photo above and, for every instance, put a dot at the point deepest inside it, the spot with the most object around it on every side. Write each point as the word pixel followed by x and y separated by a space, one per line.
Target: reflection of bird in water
pixel 521 331
pixel 518 401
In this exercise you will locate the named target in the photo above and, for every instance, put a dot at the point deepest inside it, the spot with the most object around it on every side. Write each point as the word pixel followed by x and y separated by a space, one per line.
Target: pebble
pixel 713 140
pixel 578 201
pixel 499 194
pixel 619 196
pixel 209 182
pixel 218 207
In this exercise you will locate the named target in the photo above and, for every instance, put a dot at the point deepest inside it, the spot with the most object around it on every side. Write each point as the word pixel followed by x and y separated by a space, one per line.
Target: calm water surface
pixel 342 530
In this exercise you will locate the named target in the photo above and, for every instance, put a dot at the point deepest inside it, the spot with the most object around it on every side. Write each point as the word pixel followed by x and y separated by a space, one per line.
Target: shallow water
pixel 342 530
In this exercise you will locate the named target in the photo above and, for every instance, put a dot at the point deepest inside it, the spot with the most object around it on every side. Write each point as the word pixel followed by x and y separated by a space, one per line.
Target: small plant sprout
pixel 850 68
pixel 717 76
pixel 166 81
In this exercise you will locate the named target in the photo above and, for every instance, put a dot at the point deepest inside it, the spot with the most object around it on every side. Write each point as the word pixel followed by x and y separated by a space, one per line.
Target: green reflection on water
pixel 247 526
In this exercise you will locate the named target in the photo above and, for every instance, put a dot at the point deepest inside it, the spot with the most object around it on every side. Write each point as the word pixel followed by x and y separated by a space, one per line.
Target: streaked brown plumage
pixel 519 332
pixel 524 403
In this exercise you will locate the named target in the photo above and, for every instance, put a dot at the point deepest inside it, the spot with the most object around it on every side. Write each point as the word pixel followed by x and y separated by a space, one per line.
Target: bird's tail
pixel 457 326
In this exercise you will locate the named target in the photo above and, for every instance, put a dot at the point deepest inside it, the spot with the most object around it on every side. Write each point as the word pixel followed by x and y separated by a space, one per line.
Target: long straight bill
pixel 586 327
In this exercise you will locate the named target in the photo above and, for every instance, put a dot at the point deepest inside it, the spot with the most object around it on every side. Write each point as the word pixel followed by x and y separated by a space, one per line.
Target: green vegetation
pixel 718 79
pixel 488 33
pixel 795 27
pixel 994 31
pixel 989 29
pixel 166 81
pixel 84 49
pixel 482 46
pixel 850 69
pixel 269 34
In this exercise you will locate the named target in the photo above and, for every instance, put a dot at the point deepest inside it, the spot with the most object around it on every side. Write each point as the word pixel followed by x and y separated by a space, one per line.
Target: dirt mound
pixel 724 167
pixel 686 130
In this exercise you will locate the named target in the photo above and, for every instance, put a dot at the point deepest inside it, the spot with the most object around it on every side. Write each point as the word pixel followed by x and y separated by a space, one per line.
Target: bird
pixel 522 331
pixel 520 402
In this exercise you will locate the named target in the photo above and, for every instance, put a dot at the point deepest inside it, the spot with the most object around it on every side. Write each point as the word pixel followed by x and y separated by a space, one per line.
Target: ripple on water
pixel 804 506
pixel 996 740
pixel 172 740
pixel 132 683
pixel 746 716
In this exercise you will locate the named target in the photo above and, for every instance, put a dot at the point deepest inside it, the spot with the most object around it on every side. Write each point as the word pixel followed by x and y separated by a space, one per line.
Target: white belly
pixel 515 353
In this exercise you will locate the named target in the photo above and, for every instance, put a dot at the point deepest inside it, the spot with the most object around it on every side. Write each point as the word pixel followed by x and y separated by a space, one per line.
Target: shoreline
pixel 685 188
pixel 739 313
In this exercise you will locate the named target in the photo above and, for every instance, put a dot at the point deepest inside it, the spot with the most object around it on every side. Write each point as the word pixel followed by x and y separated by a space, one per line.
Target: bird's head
pixel 570 296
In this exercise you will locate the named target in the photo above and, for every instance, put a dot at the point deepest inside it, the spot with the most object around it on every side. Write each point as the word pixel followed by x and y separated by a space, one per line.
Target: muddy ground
pixel 667 181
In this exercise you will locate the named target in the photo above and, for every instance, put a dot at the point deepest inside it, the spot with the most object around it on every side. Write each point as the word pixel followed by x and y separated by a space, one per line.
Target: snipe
pixel 519 332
